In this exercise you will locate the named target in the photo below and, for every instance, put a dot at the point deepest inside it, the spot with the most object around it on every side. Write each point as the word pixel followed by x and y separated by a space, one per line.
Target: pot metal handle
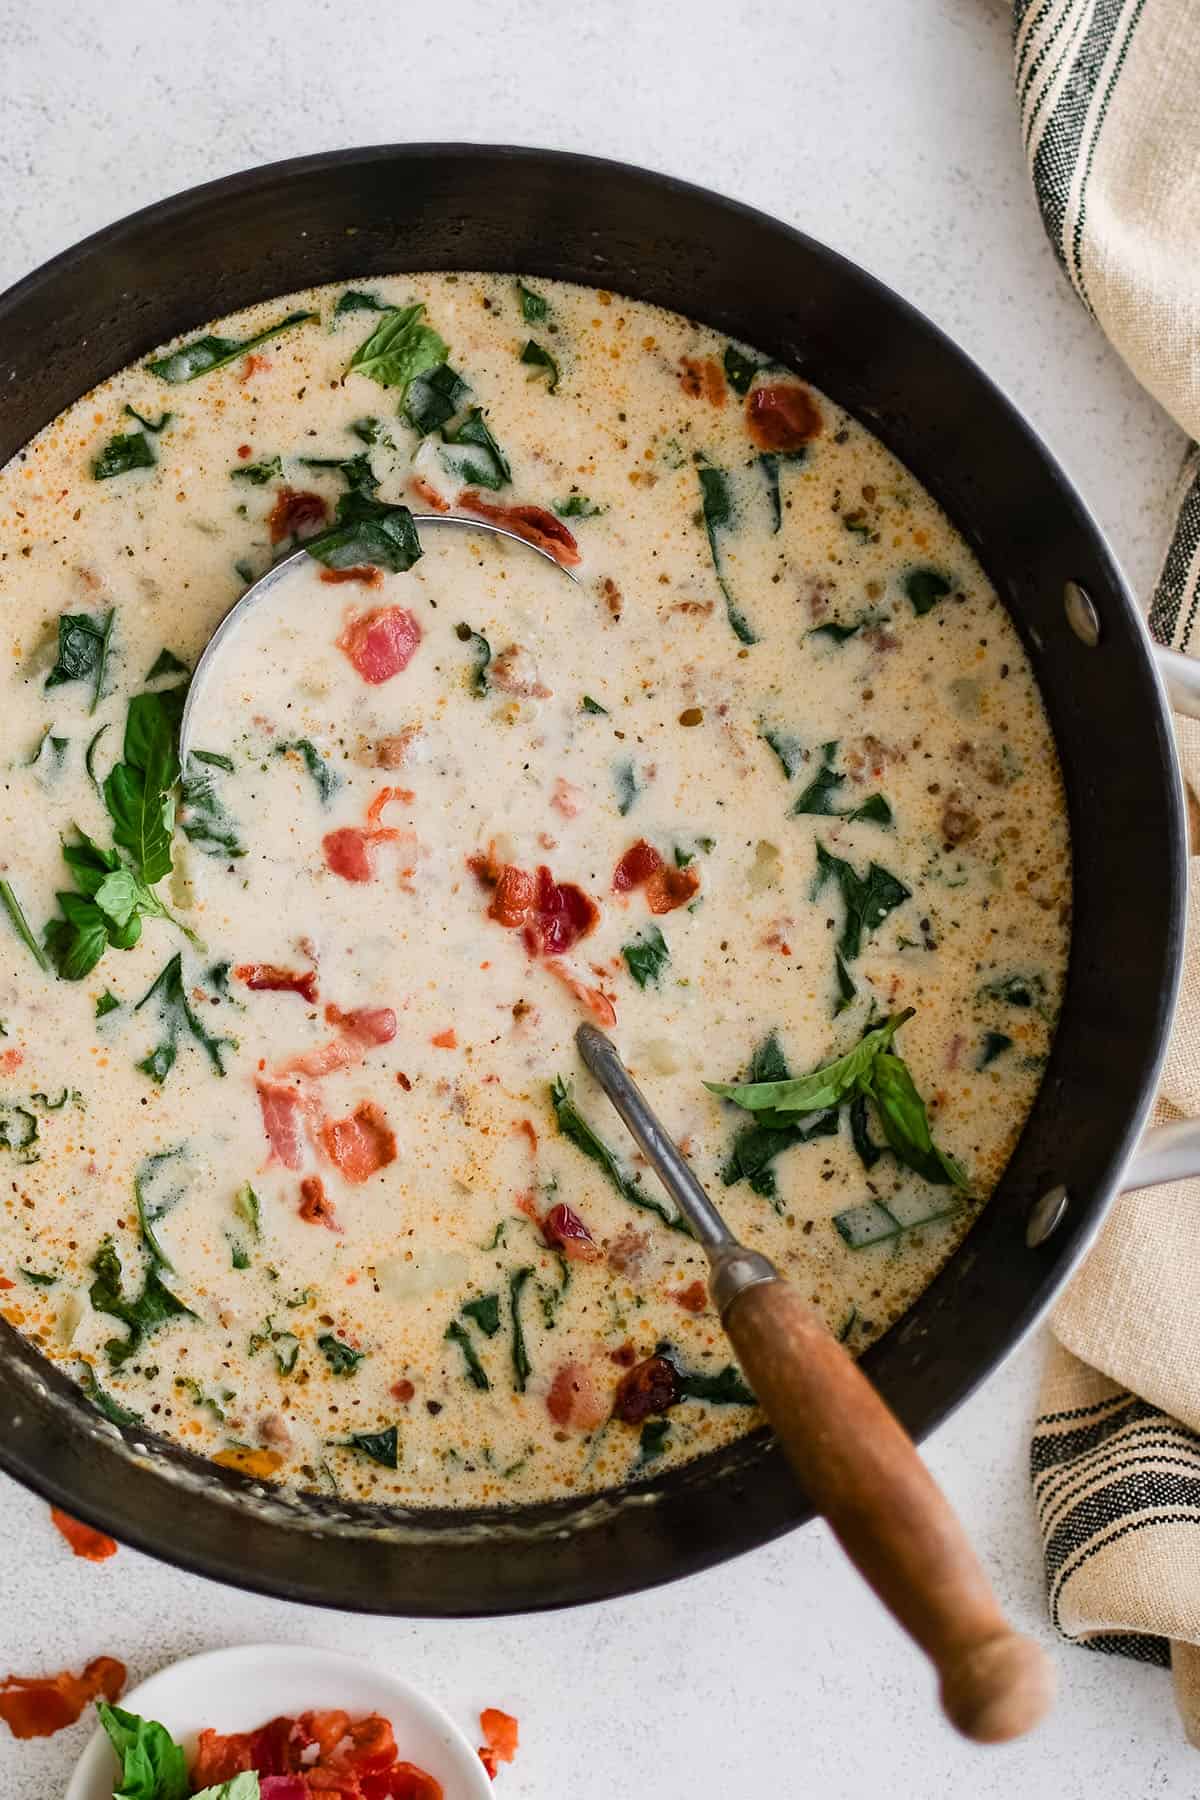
pixel 1181 678
pixel 1166 1153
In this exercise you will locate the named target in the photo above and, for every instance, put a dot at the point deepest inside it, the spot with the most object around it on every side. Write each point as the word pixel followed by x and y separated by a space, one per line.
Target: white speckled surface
pixel 889 132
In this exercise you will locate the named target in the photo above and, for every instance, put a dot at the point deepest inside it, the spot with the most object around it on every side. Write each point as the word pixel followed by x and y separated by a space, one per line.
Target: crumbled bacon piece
pixel 326 1059
pixel 533 523
pixel 593 999
pixel 347 851
pixel 782 416
pixel 651 1386
pixel 703 377
pixel 402 1391
pixel 267 977
pixel 499 1732
pixel 564 1230
pixel 627 1251
pixel 34 1706
pixel 316 1208
pixel 282 1110
pixel 360 1145
pixel 445 1040
pixel 390 752
pixel 666 887
pixel 693 1299
pixel 380 643
pixel 515 672
pixel 636 866
pixel 575 1399
pixel 85 1540
pixel 552 915
pixel 425 490
pixel 295 513
pixel 366 574
pixel 365 1024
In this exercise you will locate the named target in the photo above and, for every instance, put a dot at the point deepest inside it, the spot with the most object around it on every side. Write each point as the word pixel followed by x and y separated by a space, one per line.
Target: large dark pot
pixel 374 212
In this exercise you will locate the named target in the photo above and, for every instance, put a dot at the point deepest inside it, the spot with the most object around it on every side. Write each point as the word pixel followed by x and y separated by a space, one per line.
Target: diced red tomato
pixel 636 866
pixel 267 977
pixel 594 999
pixel 575 1399
pixel 693 1299
pixel 365 1024
pixel 499 1733
pixel 35 1706
pixel 296 513
pixel 425 490
pixel 651 1386
pixel 782 416
pixel 348 853
pixel 85 1540
pixel 361 1144
pixel 533 523
pixel 282 1113
pixel 380 643
pixel 666 887
pixel 367 574
pixel 564 1230
pixel 316 1208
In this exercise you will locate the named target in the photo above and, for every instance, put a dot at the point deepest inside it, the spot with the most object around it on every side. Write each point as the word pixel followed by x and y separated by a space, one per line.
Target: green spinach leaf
pixel 83 644
pixel 204 354
pixel 435 398
pixel 485 1311
pixel 925 587
pixel 324 775
pixel 382 1447
pixel 457 1333
pixel 258 473
pixel 354 300
pixel 573 1126
pixel 126 451
pixel 868 899
pixel 154 426
pixel 788 749
pixel 400 348
pixel 716 502
pixel 647 956
pixel 471 454
pixel 522 1367
pixel 178 1015
pixel 343 1358
pixel 483 656
pixel 356 471
pixel 166 663
pixel 151 1307
pixel 205 819
pixel 533 307
pixel 542 363
pixel 20 925
pixel 577 506
pixel 367 531
pixel 740 368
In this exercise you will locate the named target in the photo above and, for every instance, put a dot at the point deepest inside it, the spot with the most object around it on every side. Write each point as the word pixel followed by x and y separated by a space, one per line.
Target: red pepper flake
pixel 245 452
pixel 35 1706
pixel 782 416
pixel 366 573
pixel 296 512
pixel 693 1299
pixel 402 1391
pixel 445 1040
pixel 533 523
pixel 316 1208
pixel 267 977
pixel 651 1386
pixel 85 1541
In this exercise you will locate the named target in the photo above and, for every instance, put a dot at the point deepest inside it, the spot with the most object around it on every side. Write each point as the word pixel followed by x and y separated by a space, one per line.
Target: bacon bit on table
pixel 533 523
pixel 293 511
pixel 318 1753
pixel 782 416
pixel 425 490
pixel 402 1391
pixel 445 1040
pixel 367 574
pixel 693 1299
pixel 380 643
pixel 267 977
pixel 365 1024
pixel 11 1060
pixel 35 1706
pixel 564 1230
pixel 282 1108
pixel 85 1540
pixel 666 887
pixel 567 799
pixel 260 1464
pixel 651 1386
pixel 316 1208
pixel 500 1734
pixel 575 1399
pixel 702 378
pixel 359 1145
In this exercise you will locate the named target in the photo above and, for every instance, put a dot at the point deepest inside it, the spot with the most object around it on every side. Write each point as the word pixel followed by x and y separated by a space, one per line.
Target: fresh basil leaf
pixel 573 1126
pixel 483 656
pixel 324 775
pixel 166 663
pixel 825 1086
pixel 258 473
pixel 400 347
pixel 433 399
pixel 534 309
pixel 126 451
pixel 522 1367
pixel 716 500
pixel 485 1311
pixel 204 354
pixel 177 1014
pixel 343 1359
pixel 382 1447
pixel 355 471
pixel 457 1333
pixel 76 942
pixel 151 1307
pixel 367 531
pixel 788 749
pixel 889 1084
pixel 471 454
pixel 354 300
pixel 868 899
pixel 925 587
pixel 143 816
pixel 205 819
pixel 154 426
pixel 83 642
pixel 740 368
pixel 153 1765
pixel 541 362
pixel 577 506
pixel 647 956
pixel 20 925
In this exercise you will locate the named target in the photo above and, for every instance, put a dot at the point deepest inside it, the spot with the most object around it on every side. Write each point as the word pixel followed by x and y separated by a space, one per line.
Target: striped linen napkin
pixel 1109 94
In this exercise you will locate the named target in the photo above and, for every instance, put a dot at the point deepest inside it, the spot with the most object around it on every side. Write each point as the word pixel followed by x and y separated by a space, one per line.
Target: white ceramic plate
pixel 240 1689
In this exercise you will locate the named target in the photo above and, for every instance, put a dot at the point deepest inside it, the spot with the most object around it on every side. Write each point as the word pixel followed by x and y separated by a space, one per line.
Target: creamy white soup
pixel 302 1169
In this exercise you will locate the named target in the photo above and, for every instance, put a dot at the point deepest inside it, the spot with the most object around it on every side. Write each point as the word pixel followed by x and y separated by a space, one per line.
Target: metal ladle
pixel 278 572
pixel 853 1457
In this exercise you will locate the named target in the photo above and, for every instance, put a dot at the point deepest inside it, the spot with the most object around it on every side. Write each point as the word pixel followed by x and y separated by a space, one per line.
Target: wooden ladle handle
pixel 862 1471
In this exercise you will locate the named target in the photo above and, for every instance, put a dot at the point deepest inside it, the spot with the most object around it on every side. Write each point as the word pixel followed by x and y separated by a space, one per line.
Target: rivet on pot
pixel 1082 616
pixel 1046 1215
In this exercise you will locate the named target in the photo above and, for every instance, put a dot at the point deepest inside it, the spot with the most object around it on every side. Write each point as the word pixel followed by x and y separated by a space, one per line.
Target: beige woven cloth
pixel 1109 95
